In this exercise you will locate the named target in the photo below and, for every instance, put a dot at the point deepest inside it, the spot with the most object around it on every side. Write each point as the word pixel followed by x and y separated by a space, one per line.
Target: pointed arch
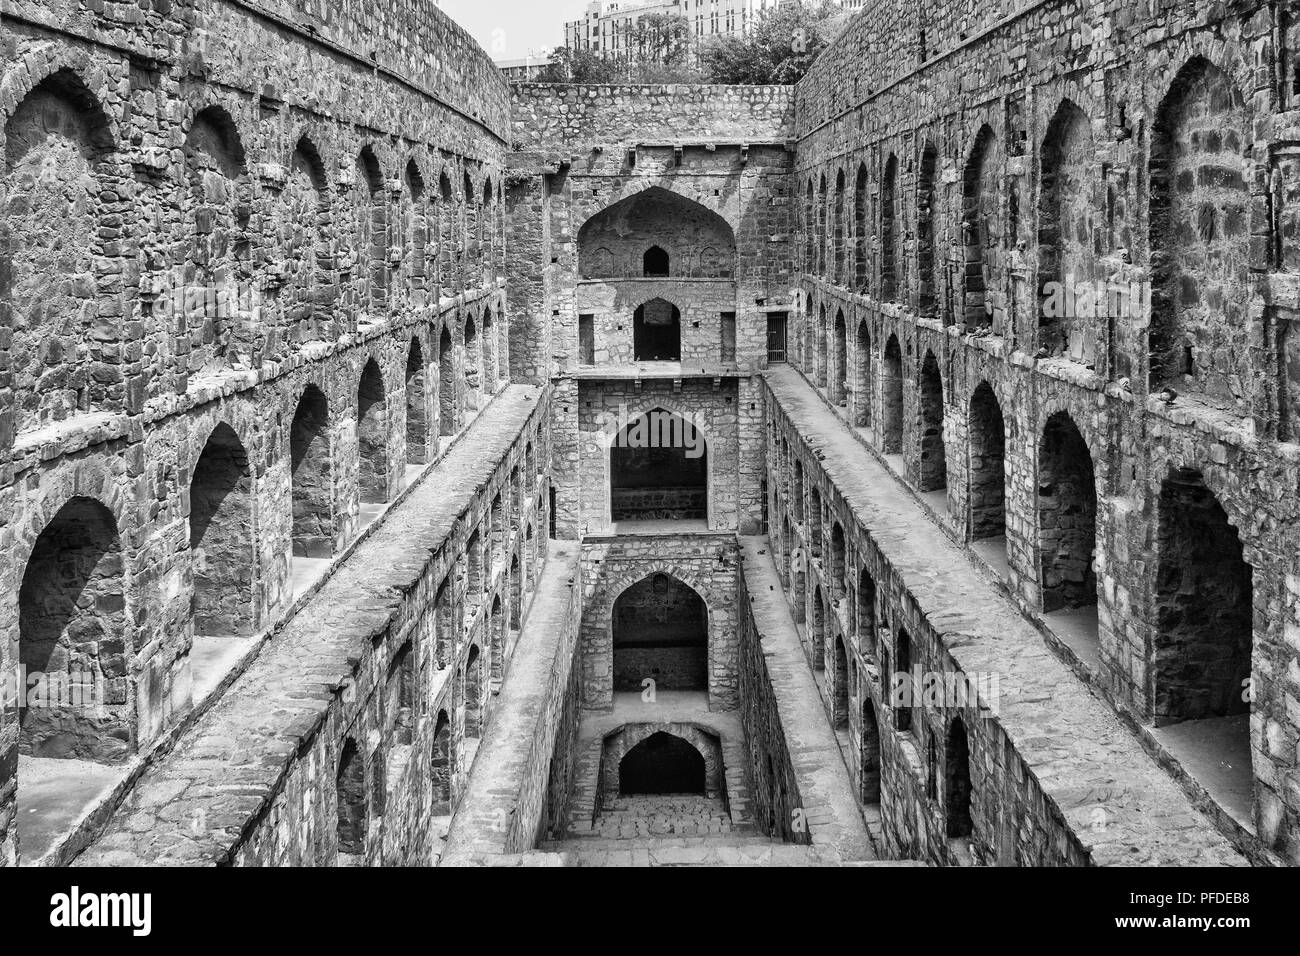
pixel 660 631
pixel 932 467
pixel 927 261
pixel 1067 254
pixel 58 147
pixel 986 437
pixel 372 435
pixel 72 628
pixel 446 384
pixel 310 478
pixel 1067 516
pixel 1200 236
pixel 417 406
pixel 222 556
pixel 862 253
pixel 659 469
pixel 891 436
pixel 982 229
pixel 862 376
pixel 888 230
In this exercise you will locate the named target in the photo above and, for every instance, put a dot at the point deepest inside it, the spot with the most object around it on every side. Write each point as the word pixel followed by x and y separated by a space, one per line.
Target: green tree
pixel 578 66
pixel 662 39
pixel 779 49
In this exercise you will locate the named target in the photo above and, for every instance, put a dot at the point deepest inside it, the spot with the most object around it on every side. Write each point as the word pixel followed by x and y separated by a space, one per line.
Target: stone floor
pixel 55 795
pixel 662 815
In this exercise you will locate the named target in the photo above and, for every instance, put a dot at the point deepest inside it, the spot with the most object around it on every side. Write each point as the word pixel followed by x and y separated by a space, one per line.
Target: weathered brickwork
pixel 241 302
pixel 1000 755
pixel 1107 148
pixel 335 375
pixel 703 563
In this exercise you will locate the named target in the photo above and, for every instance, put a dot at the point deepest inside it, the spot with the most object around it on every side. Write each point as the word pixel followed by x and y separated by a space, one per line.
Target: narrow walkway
pixel 191 806
pixel 1085 761
pixel 825 788
pixel 508 778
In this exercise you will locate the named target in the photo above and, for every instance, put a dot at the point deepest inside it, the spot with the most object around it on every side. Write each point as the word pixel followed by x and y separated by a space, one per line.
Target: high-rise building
pixel 606 27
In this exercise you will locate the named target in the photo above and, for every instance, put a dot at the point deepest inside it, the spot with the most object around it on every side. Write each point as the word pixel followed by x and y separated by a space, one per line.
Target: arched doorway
pixel 309 468
pixel 657 332
pixel 932 464
pixel 987 463
pixel 840 688
pixel 957 790
pixel 221 537
pixel 72 633
pixel 472 689
pixel 662 764
pixel 655 263
pixel 869 754
pixel 659 470
pixel 661 632
pixel 446 385
pixel 891 437
pixel 417 429
pixel 1201 655
pixel 372 436
pixel 1067 516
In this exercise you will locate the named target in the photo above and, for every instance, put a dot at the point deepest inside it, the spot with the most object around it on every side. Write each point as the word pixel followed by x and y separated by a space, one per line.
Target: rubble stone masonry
pixel 319 343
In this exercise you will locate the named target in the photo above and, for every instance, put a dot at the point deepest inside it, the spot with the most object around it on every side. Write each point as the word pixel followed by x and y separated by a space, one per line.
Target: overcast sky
pixel 509 29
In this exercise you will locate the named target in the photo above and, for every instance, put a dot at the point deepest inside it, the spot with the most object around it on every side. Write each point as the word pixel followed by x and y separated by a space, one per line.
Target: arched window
pixel 1201 656
pixel 372 436
pixel 661 633
pixel 659 470
pixel 221 537
pixel 657 332
pixel 655 263
pixel 72 629
pixel 1067 516
pixel 310 477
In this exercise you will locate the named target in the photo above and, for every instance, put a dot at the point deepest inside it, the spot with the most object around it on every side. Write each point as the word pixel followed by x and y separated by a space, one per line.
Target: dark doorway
pixel 309 468
pixel 776 347
pixel 661 632
pixel 657 332
pixel 958 788
pixel 659 470
pixel 221 537
pixel 72 623
pixel 660 764
pixel 655 263
pixel 1067 516
pixel 1202 651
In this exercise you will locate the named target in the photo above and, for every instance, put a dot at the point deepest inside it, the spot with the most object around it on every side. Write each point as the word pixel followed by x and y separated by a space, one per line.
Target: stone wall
pixel 773 784
pixel 192 247
pixel 1140 159
pixel 969 741
pixel 705 563
pixel 590 413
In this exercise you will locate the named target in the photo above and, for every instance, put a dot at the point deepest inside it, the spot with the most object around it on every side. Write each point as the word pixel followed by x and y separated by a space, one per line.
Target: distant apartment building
pixel 606 27
pixel 524 69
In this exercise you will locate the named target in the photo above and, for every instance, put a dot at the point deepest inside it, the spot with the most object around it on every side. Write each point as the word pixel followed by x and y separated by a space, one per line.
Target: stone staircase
pixel 662 815
pixel 676 830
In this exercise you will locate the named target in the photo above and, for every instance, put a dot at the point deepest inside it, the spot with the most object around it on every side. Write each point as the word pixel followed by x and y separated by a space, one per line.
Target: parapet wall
pixel 568 120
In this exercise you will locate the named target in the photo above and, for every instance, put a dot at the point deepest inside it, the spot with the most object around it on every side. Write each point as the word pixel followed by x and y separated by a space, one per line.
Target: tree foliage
pixel 659 48
pixel 779 49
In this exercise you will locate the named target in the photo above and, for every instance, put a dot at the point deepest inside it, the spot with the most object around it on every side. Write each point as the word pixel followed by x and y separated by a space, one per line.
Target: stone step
pixel 586 844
